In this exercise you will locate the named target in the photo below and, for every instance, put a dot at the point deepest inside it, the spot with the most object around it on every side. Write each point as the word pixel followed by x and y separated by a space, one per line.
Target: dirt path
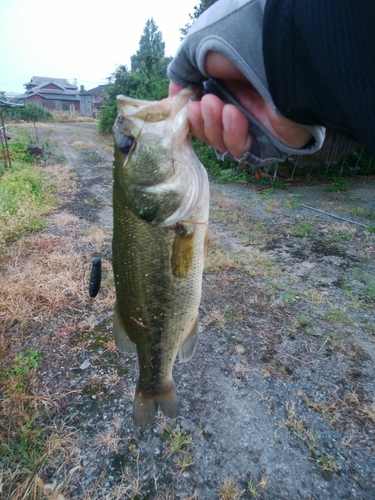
pixel 279 399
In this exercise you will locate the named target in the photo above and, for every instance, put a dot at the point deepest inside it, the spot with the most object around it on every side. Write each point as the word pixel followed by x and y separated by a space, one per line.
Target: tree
pixel 198 10
pixel 147 78
pixel 118 83
pixel 150 57
pixel 82 89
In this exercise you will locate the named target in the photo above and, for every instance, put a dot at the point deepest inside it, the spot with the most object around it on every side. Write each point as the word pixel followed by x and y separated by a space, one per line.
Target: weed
pixel 94 201
pixel 301 229
pixel 44 281
pixel 177 441
pixel 288 297
pixel 219 259
pixel 29 439
pixel 327 463
pixel 184 460
pixel 257 233
pixel 208 157
pixel 258 263
pixel 299 427
pixel 339 237
pixel 19 154
pixel 21 368
pixel 338 314
pixel 107 440
pixel 229 489
pixel 271 205
pixel 256 488
pixel 315 297
pixel 132 484
pixel 328 410
pixel 334 341
pixel 293 204
pixel 233 176
pixel 304 320
pixel 25 197
pixel 339 184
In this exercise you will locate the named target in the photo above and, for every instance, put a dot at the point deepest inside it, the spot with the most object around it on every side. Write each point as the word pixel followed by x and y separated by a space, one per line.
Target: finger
pixel 174 89
pixel 290 133
pixel 211 109
pixel 235 131
pixel 219 66
pixel 194 113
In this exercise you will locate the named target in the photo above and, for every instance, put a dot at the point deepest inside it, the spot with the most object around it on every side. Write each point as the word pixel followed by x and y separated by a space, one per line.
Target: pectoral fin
pixel 187 349
pixel 183 252
pixel 123 342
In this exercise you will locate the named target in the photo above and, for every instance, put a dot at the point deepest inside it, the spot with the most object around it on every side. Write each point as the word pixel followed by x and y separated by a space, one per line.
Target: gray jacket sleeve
pixel 234 28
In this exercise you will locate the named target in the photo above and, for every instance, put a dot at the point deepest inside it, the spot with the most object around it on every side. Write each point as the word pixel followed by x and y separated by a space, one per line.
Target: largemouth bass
pixel 160 205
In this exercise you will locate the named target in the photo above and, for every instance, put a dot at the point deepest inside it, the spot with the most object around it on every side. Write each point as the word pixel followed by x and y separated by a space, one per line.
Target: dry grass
pixel 44 283
pixel 67 117
pixel 251 260
pixel 44 277
pixel 131 485
pixel 81 145
pixel 229 489
pixel 64 179
pixel 218 259
pixel 108 440
pixel 33 447
pixel 256 488
pixel 299 427
pixel 97 236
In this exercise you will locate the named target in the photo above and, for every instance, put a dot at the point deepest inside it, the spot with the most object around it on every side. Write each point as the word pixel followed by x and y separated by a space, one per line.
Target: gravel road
pixel 279 399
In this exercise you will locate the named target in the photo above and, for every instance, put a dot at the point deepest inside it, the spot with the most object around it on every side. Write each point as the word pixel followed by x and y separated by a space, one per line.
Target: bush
pixel 30 113
pixel 107 118
pixel 18 152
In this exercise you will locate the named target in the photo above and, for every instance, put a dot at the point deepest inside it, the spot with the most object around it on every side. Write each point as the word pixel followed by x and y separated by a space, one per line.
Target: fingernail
pixel 207 115
pixel 227 121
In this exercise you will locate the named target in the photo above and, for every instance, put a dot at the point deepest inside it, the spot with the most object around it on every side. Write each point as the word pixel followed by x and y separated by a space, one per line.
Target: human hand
pixel 224 126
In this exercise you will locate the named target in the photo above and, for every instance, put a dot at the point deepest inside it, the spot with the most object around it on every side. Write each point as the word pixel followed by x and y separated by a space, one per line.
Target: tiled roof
pixel 43 80
pixel 93 91
pixel 52 95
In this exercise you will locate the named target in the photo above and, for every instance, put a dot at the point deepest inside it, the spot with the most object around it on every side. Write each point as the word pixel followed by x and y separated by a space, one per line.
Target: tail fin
pixel 146 405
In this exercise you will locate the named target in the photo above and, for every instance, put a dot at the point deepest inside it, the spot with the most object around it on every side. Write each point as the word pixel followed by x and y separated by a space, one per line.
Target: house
pixel 52 93
pixel 92 101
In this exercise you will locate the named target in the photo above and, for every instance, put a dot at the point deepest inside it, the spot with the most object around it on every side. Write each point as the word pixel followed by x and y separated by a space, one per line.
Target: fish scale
pixel 157 266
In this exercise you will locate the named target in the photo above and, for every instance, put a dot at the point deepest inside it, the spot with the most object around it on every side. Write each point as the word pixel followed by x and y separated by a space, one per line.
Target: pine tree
pixel 147 78
pixel 150 57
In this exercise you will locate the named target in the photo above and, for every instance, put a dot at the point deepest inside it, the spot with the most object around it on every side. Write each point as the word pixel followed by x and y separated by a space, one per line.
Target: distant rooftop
pixel 93 91
pixel 36 81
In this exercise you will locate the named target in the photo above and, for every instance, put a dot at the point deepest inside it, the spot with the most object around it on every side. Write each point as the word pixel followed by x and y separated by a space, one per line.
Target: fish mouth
pixel 154 111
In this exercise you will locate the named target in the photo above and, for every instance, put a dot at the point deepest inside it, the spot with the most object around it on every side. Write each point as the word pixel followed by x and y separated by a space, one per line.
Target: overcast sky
pixel 79 39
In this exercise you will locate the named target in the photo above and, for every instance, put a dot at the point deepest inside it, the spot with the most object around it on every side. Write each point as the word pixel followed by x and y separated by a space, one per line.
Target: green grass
pixel 29 438
pixel 338 314
pixel 339 184
pixel 18 378
pixel 224 172
pixel 21 367
pixel 26 196
pixel 301 229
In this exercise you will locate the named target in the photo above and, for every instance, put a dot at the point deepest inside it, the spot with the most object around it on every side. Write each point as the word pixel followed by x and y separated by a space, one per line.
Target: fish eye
pixel 126 144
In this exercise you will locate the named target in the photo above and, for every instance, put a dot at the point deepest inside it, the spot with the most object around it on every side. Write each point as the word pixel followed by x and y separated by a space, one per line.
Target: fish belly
pixel 158 279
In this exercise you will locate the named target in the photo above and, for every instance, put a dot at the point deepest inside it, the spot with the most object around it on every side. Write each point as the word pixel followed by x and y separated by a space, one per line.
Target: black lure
pixel 95 277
